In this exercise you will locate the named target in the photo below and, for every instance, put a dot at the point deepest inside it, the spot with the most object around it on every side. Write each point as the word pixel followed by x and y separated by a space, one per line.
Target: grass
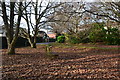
pixel 89 45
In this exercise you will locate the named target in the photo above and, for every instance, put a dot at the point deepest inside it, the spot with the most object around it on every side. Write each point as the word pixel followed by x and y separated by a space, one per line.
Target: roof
pixel 52 35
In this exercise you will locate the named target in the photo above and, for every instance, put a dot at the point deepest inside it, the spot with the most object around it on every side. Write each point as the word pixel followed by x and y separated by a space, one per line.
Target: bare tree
pixel 40 11
pixel 8 15
pixel 109 10
pixel 69 17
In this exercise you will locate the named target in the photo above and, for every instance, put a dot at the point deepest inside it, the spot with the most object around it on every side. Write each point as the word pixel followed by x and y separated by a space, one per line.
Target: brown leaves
pixel 73 63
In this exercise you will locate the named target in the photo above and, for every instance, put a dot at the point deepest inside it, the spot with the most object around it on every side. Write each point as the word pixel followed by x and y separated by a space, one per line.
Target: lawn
pixel 75 62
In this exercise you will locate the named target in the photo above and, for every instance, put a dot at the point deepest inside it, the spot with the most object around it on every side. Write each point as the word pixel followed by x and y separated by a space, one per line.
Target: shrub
pixel 85 40
pixel 74 40
pixel 70 38
pixel 109 35
pixel 97 33
pixel 61 39
pixel 112 36
pixel 80 37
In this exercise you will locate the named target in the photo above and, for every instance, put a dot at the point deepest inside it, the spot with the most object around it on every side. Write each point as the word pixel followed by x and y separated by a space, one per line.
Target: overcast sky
pixel 23 21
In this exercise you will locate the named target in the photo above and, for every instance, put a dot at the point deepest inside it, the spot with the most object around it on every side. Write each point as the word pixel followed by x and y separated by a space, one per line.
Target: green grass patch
pixel 66 45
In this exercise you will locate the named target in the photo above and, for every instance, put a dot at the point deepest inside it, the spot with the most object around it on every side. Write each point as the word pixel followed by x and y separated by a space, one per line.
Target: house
pixel 46 37
pixel 52 35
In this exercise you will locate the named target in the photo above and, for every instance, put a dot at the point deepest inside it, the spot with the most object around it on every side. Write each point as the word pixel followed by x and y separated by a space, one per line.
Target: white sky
pixel 33 20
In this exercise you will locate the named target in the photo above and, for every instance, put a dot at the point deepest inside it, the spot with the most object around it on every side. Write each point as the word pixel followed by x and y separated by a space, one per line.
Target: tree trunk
pixel 33 45
pixel 11 45
pixel 11 49
pixel 9 27
pixel 34 42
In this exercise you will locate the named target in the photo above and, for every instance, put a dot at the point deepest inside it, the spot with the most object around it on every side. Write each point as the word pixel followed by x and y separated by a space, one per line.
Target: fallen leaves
pixel 73 63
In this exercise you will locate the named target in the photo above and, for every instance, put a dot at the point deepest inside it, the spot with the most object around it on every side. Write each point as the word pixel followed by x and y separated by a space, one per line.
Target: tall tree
pixel 11 27
pixel 69 17
pixel 109 10
pixel 37 11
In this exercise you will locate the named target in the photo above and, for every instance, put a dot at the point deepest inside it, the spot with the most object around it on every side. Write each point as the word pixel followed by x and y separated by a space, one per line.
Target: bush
pixel 74 40
pixel 112 36
pixel 109 35
pixel 70 38
pixel 61 39
pixel 85 40
pixel 97 33
pixel 80 37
